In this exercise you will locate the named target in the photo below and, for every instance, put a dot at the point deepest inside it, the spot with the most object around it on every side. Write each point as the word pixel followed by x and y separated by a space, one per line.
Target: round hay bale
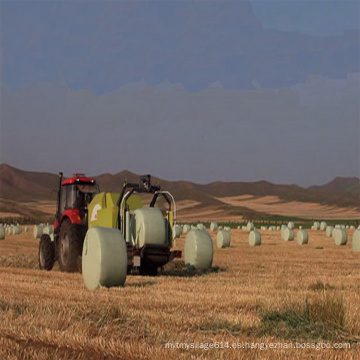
pixel 291 225
pixel 339 236
pixel 223 239
pixel 302 237
pixel 48 229
pixel 147 226
pixel 213 226
pixel 26 229
pixel 2 233
pixel 194 227
pixel 356 241
pixel 300 227
pixel 18 229
pixel 176 231
pixel 186 228
pixel 227 228
pixel 104 258
pixel 200 226
pixel 329 230
pixel 250 226
pixel 316 225
pixel 254 238
pixel 282 231
pixel 198 250
pixel 220 227
pixel 323 225
pixel 243 228
pixel 352 227
pixel 287 234
pixel 278 228
pixel 38 231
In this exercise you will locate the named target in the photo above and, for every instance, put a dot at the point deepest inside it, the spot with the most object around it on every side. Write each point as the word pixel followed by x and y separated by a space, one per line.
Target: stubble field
pixel 280 292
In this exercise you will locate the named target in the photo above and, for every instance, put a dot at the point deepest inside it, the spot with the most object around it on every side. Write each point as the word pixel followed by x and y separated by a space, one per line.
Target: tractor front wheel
pixel 70 243
pixel 46 253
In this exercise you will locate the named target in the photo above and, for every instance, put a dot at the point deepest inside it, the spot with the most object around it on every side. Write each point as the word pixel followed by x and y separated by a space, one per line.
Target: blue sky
pixel 64 62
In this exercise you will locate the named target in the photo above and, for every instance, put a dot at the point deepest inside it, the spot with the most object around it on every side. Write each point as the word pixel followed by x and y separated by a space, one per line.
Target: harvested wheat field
pixel 279 292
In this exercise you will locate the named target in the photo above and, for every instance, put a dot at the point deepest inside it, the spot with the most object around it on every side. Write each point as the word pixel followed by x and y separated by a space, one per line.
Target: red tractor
pixel 71 223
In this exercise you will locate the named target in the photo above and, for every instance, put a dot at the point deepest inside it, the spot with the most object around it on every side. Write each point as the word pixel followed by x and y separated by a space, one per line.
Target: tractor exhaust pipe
pixel 59 194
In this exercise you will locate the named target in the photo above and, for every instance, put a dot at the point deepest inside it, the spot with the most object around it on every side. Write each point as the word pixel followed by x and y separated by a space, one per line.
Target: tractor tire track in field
pixel 60 350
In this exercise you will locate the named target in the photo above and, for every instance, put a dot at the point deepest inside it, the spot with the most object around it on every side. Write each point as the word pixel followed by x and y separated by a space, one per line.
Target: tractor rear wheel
pixel 46 253
pixel 70 244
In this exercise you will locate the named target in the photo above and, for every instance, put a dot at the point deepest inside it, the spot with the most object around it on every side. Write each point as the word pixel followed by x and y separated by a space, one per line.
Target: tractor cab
pixel 74 196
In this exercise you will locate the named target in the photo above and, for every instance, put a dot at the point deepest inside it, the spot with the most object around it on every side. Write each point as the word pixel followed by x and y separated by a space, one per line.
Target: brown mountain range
pixel 32 194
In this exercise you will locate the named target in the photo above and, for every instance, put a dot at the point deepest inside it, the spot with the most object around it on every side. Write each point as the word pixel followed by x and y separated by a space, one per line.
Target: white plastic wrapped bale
pixel 291 225
pixel 250 226
pixel 104 258
pixel 300 227
pixel 339 236
pixel 213 226
pixel 48 229
pixel 148 227
pixel 200 226
pixel 186 228
pixel 227 228
pixel 2 233
pixel 287 234
pixel 38 231
pixel 352 227
pixel 193 227
pixel 238 227
pixel 18 229
pixel 302 237
pixel 254 238
pixel 223 238
pixel 220 227
pixel 316 225
pixel 198 250
pixel 356 241
pixel 323 225
pixel 278 228
pixel 242 228
pixel 329 230
pixel 176 231
pixel 26 228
